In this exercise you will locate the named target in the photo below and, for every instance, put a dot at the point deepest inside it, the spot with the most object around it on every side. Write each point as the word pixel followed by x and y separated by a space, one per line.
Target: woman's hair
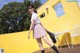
pixel 31 6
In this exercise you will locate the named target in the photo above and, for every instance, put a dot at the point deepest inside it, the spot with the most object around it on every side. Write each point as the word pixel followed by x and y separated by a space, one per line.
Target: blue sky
pixel 42 1
pixel 2 2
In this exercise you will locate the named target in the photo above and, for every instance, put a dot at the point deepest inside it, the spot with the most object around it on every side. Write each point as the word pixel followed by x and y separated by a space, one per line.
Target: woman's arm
pixel 31 26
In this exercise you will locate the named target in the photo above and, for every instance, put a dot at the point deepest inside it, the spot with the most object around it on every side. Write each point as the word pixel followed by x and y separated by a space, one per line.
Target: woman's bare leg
pixel 50 43
pixel 40 45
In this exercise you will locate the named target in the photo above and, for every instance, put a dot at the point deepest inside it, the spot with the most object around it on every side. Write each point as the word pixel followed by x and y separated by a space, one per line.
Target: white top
pixel 35 17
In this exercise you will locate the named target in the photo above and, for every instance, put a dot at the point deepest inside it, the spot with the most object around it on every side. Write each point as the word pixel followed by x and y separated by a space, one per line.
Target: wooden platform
pixel 76 49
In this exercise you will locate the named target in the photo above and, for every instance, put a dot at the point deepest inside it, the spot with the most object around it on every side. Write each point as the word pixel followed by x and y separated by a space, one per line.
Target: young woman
pixel 38 30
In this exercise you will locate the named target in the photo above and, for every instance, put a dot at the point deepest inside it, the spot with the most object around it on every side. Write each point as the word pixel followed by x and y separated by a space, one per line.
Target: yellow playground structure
pixel 58 16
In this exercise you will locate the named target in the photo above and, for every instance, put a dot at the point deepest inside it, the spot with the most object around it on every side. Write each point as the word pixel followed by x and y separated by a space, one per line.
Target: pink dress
pixel 38 30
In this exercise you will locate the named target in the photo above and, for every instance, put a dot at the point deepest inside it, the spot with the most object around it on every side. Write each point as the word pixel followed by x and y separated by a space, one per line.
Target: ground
pixel 75 49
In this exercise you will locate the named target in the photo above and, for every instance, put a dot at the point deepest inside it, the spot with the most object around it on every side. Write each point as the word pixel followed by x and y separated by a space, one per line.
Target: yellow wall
pixel 65 22
pixel 18 43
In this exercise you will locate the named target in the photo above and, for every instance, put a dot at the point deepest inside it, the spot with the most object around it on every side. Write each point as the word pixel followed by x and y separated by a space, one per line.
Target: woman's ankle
pixel 42 51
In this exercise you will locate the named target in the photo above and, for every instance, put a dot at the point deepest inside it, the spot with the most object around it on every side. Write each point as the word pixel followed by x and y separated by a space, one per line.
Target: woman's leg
pixel 50 43
pixel 40 45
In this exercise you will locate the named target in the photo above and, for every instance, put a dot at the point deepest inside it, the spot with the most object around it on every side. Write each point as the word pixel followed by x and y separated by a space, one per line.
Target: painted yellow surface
pixel 76 40
pixel 19 43
pixel 63 39
pixel 69 20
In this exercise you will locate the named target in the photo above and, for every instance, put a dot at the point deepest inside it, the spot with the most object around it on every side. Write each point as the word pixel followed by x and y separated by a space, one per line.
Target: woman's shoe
pixel 42 51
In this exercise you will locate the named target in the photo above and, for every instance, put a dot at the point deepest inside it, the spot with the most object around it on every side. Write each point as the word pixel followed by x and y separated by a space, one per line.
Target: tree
pixel 14 16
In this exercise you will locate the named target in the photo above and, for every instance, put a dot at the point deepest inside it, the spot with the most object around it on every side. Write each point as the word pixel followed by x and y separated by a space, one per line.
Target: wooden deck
pixel 76 49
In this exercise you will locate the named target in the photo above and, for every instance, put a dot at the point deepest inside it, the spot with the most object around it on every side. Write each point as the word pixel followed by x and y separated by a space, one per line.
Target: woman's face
pixel 31 10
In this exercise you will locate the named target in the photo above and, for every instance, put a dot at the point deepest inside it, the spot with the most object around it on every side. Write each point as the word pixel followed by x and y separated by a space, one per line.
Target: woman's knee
pixel 40 45
pixel 39 42
pixel 48 41
pixel 45 38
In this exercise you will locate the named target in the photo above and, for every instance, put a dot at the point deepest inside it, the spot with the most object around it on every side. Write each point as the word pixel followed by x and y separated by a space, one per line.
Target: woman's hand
pixel 29 35
pixel 31 26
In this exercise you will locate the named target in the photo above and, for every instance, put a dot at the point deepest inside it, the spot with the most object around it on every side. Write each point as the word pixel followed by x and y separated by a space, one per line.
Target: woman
pixel 39 30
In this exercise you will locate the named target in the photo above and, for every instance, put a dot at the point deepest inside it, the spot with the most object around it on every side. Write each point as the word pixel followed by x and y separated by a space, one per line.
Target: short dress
pixel 38 30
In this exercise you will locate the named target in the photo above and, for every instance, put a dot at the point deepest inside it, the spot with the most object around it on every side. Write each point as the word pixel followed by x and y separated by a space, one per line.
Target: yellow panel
pixel 18 43
pixel 65 22
pixel 76 40
pixel 63 39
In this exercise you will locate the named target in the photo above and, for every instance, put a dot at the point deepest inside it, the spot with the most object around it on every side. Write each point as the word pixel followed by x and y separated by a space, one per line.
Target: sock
pixel 42 51
pixel 56 50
